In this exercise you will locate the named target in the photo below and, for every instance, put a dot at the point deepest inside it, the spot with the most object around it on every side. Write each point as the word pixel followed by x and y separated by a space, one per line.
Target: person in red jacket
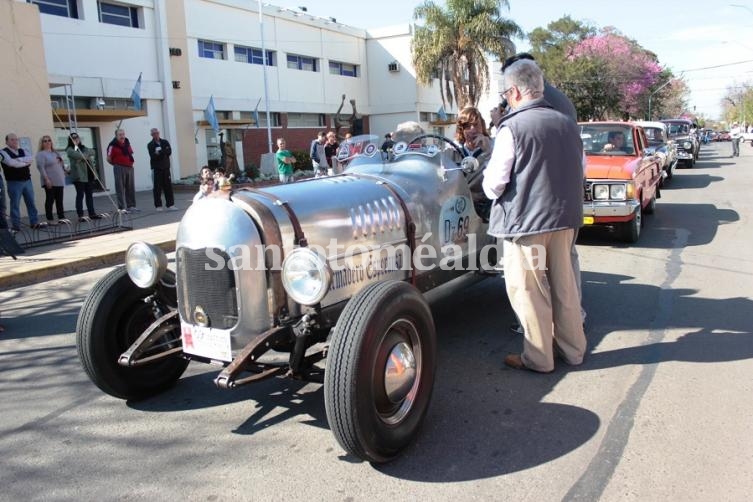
pixel 120 155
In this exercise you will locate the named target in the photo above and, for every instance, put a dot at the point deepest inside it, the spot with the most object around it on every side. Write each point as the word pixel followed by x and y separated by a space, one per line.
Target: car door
pixel 648 175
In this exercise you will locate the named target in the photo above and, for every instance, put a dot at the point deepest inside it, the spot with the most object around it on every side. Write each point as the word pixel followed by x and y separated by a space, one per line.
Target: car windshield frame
pixel 595 139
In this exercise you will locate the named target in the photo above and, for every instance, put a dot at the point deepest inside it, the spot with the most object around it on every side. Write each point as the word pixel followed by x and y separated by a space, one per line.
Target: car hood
pixel 610 167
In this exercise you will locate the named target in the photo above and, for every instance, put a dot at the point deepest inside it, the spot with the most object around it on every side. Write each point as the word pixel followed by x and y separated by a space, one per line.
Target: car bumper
pixel 608 212
pixel 684 155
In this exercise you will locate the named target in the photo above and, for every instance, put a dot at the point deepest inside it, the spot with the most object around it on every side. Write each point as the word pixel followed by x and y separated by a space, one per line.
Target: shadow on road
pixel 486 420
pixel 701 221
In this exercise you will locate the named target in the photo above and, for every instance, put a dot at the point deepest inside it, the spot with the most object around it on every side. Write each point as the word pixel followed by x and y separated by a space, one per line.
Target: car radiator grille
pixel 588 191
pixel 203 288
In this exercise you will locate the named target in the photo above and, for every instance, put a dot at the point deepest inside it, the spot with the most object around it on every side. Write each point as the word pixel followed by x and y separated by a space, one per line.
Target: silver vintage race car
pixel 271 282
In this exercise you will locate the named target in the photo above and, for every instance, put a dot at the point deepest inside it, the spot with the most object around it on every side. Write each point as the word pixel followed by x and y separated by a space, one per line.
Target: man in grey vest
pixel 535 179
pixel 561 103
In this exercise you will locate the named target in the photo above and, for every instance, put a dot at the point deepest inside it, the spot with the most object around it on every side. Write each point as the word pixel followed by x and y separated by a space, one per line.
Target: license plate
pixel 206 342
pixel 588 220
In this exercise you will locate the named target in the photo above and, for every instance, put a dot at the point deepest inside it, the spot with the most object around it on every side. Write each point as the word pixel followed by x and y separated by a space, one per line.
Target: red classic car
pixel 622 178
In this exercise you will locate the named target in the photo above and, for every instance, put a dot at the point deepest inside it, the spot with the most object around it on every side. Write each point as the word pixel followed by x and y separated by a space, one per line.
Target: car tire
pixel 630 231
pixel 651 206
pixel 373 409
pixel 111 319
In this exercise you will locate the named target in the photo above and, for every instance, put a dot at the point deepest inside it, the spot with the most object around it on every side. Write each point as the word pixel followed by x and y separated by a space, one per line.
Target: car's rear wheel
pixel 380 370
pixel 111 319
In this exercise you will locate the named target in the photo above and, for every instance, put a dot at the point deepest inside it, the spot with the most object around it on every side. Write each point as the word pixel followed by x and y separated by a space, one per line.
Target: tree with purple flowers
pixel 604 73
pixel 628 71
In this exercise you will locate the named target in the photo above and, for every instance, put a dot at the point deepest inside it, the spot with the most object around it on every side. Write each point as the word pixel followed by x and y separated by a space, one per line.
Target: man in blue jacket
pixel 316 152
pixel 535 178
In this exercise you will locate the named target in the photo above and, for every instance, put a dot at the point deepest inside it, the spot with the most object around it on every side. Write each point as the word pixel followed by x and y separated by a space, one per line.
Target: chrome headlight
pixel 601 192
pixel 687 145
pixel 145 264
pixel 617 191
pixel 306 277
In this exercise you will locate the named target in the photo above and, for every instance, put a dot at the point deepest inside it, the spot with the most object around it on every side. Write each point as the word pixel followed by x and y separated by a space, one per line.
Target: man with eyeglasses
pixel 15 162
pixel 535 177
pixel 560 102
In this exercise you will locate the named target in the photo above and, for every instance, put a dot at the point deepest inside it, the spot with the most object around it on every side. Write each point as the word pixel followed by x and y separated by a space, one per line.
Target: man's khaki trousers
pixel 543 293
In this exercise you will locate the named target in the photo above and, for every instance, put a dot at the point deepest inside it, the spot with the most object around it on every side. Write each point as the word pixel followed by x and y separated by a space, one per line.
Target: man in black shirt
pixel 159 159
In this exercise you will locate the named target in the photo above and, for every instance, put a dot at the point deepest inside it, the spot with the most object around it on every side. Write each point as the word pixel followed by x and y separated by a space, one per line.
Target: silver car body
pixel 367 211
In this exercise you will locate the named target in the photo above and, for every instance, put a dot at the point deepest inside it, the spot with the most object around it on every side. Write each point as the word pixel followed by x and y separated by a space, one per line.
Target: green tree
pixel 455 42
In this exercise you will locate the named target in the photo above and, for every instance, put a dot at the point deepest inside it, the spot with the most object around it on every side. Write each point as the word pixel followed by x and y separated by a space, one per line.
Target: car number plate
pixel 588 220
pixel 206 342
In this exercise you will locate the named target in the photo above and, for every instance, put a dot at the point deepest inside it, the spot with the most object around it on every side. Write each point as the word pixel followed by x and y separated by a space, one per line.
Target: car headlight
pixel 145 264
pixel 601 192
pixel 687 145
pixel 306 277
pixel 617 191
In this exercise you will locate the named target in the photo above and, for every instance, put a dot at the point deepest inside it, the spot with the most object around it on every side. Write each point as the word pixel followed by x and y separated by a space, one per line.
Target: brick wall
pixel 298 138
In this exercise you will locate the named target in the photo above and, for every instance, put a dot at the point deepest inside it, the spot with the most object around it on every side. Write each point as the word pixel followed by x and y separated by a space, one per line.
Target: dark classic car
pixel 659 143
pixel 270 282
pixel 681 132
pixel 622 178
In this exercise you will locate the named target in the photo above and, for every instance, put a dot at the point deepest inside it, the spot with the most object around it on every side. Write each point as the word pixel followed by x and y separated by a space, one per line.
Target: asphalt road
pixel 660 410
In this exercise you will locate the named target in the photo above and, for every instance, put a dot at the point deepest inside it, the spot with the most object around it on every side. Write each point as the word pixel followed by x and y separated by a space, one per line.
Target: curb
pixel 72 267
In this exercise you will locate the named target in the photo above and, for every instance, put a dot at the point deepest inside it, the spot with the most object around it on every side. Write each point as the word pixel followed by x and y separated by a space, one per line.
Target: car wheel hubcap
pixel 400 372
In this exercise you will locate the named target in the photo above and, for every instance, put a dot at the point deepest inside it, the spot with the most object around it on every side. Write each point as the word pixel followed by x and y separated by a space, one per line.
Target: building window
pixel 305 63
pixel 64 8
pixel 121 15
pixel 253 56
pixel 306 120
pixel 434 117
pixel 211 50
pixel 274 118
pixel 344 69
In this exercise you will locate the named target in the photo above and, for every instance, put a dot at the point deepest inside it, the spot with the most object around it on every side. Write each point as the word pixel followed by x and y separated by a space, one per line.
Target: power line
pixel 719 66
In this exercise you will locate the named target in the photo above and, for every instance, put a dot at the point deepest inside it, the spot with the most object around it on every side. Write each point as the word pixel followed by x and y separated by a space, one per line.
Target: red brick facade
pixel 298 138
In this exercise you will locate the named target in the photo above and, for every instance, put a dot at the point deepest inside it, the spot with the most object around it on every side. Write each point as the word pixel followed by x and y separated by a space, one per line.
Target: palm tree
pixel 456 41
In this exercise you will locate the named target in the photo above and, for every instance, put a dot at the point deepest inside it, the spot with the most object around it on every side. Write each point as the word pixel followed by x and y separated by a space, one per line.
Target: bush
pixel 302 161
pixel 252 171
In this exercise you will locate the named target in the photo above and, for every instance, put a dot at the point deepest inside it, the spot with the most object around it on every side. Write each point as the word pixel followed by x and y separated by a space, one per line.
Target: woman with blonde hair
pixel 52 173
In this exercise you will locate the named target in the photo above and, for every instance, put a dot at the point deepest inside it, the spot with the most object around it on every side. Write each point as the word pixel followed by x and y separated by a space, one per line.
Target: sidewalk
pixel 61 259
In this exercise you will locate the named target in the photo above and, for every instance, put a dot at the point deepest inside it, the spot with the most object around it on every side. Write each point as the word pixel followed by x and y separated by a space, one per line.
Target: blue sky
pixel 689 36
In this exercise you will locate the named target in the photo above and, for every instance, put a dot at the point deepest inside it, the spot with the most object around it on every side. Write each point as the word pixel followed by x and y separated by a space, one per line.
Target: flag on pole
pixel 136 94
pixel 442 114
pixel 210 114
pixel 256 113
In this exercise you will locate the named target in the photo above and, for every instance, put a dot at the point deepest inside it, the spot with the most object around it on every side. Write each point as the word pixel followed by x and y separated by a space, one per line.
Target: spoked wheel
pixel 111 319
pixel 380 370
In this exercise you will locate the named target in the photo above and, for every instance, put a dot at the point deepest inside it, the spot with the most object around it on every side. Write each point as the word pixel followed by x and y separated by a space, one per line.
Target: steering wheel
pixel 443 138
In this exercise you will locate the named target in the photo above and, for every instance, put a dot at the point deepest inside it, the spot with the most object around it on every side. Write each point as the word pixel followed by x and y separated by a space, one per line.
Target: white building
pixel 188 51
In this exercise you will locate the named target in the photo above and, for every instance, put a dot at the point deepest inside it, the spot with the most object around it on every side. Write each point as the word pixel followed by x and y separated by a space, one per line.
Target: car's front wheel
pixel 380 370
pixel 630 231
pixel 113 316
